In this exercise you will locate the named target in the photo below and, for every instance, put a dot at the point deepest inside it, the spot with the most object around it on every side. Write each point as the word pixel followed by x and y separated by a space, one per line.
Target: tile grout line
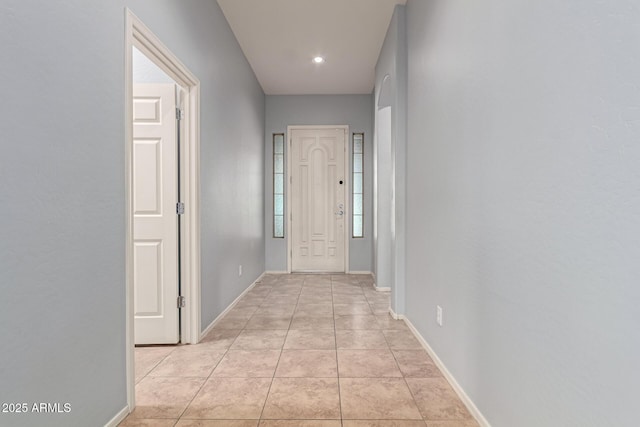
pixel 212 370
pixel 335 337
pixel 264 405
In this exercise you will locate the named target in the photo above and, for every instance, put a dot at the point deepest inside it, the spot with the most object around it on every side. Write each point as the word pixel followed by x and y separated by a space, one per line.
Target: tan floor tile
pixel 277 310
pixel 280 300
pixel 220 338
pixel 247 364
pixel 189 361
pixel 346 291
pixel 380 309
pixel 437 400
pixel 367 364
pixel 401 340
pixel 160 397
pixel 229 398
pixel 377 399
pixel 242 312
pixel 387 322
pixel 349 298
pixel 383 423
pixel 217 423
pixel 357 322
pixel 360 339
pixel 136 422
pixel 376 297
pixel 251 301
pixel 315 299
pixel 269 322
pixel 456 423
pixel 147 358
pixel 307 364
pixel 321 339
pixel 306 322
pixel 303 398
pixel 256 339
pixel 300 423
pixel 351 309
pixel 314 310
pixel 416 363
pixel 229 322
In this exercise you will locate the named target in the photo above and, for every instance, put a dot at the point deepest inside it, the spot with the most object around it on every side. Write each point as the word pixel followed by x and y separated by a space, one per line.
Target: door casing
pixel 347 180
pixel 137 34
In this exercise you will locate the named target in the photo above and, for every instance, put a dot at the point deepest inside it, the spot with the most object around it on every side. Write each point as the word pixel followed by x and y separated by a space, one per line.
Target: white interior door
pixel 155 223
pixel 318 202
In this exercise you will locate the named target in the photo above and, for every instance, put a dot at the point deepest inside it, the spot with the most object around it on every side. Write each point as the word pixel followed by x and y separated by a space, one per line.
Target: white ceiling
pixel 281 37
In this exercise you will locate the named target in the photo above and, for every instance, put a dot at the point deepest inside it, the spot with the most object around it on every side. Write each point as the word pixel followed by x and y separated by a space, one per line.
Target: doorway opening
pixel 162 196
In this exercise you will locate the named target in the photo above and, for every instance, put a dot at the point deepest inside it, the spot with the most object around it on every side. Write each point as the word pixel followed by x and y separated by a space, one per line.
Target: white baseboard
pixel 382 288
pixel 359 272
pixel 394 315
pixel 275 272
pixel 226 310
pixel 118 418
pixel 473 409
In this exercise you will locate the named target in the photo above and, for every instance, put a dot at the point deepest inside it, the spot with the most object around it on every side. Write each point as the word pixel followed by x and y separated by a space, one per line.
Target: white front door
pixel 318 200
pixel 155 223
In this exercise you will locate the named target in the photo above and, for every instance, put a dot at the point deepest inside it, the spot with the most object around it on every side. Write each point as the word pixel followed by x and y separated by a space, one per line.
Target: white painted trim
pixel 138 35
pixel 276 272
pixel 347 180
pixel 359 272
pixel 473 409
pixel 230 306
pixel 117 419
pixel 394 315
pixel 380 288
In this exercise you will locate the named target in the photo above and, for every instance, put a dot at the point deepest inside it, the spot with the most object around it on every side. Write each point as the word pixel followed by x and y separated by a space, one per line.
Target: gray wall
pixel 524 204
pixel 288 110
pixel 391 91
pixel 62 239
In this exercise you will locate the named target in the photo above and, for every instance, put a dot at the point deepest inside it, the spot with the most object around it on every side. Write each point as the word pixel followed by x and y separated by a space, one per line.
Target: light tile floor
pixel 303 351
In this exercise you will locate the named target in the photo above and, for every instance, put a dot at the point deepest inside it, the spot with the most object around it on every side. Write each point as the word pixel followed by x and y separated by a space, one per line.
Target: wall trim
pixel 473 409
pixel 113 422
pixel 230 306
pixel 275 272
pixel 140 36
pixel 381 288
pixel 359 272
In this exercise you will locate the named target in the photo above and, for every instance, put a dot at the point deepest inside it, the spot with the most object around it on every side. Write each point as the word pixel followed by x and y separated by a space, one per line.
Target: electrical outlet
pixel 439 315
pixel 239 270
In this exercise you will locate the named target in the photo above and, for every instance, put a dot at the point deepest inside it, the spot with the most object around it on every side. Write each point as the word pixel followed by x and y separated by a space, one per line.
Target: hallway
pixel 298 347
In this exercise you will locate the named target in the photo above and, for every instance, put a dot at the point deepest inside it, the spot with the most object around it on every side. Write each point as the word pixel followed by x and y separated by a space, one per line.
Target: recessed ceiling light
pixel 318 59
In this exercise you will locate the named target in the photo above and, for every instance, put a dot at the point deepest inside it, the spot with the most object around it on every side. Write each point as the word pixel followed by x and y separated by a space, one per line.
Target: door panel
pixel 317 198
pixel 155 223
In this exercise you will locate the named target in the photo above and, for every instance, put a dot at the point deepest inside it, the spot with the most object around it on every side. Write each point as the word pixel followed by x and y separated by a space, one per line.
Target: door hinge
pixel 180 208
pixel 182 302
pixel 179 114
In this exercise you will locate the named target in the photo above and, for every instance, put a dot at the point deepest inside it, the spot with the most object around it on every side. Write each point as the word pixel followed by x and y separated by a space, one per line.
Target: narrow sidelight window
pixel 278 185
pixel 358 185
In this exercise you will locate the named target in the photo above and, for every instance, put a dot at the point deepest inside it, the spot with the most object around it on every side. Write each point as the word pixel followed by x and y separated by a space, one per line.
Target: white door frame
pixel 138 35
pixel 347 180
